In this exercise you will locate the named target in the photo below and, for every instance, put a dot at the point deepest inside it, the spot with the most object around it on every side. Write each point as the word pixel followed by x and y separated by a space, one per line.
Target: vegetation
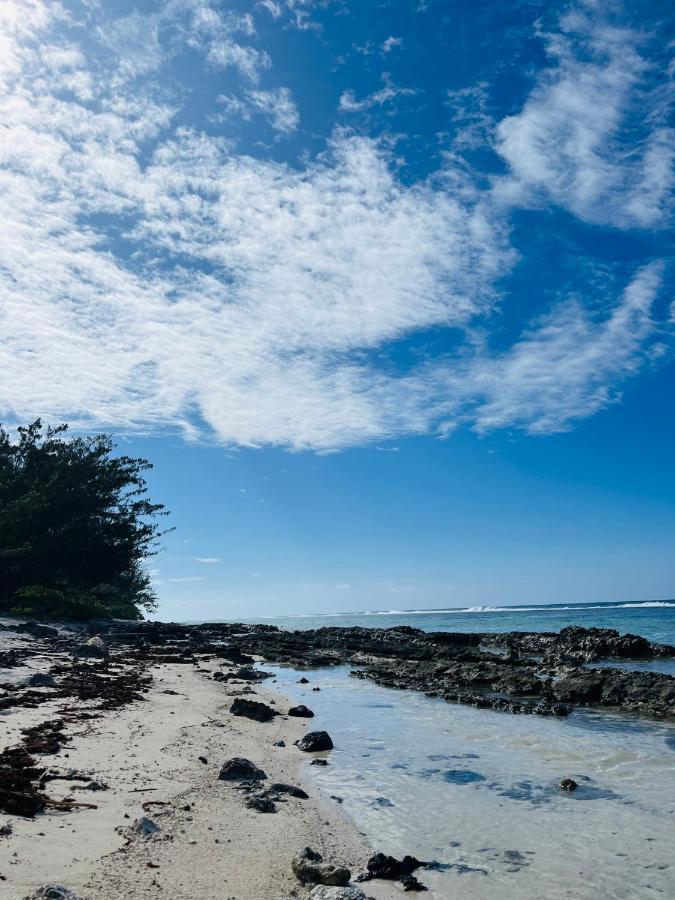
pixel 75 527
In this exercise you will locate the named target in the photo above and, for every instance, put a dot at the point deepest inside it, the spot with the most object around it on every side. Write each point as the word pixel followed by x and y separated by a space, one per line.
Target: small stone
pixel 319 762
pixel 279 744
pixel 309 868
pixel 55 892
pixel 203 759
pixel 240 769
pixel 303 680
pixel 315 741
pixel 146 826
pixel 301 712
pixel 568 784
pixel 261 804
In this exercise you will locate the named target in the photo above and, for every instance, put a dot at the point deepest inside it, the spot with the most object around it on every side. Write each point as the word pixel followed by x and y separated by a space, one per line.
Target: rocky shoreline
pixel 59 682
pixel 540 673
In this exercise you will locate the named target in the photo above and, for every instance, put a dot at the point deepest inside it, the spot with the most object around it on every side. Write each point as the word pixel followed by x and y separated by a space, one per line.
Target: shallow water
pixel 478 791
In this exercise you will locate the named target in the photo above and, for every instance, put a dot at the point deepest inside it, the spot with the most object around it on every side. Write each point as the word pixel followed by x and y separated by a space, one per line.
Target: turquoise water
pixel 654 620
pixel 477 790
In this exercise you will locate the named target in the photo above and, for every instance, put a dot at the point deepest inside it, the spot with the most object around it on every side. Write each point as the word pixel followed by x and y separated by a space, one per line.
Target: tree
pixel 75 526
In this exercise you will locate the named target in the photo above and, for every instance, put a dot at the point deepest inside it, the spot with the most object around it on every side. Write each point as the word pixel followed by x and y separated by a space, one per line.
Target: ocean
pixel 476 791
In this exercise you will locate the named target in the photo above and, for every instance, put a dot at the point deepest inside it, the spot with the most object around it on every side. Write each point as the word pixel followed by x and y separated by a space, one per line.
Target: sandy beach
pixel 208 844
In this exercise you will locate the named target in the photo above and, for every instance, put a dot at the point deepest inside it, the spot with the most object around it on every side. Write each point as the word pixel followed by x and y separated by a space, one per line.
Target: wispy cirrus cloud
pixel 388 92
pixel 154 276
pixel 593 136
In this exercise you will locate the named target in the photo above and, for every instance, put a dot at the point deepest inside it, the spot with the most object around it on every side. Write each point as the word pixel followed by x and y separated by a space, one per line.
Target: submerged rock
pixel 568 784
pixel 252 709
pixel 309 868
pixel 301 712
pixel 410 883
pixel 389 868
pixel 240 769
pixel 315 741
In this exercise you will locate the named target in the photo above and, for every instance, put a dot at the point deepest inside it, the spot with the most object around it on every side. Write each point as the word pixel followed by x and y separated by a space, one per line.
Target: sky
pixel 383 289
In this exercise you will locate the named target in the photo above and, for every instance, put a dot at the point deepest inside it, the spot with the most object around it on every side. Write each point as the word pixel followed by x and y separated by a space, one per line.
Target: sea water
pixel 477 791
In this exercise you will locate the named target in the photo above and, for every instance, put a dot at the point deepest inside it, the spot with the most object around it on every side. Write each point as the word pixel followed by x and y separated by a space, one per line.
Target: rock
pixel 37 630
pixel 95 648
pixel 568 784
pixel 203 759
pixel 39 679
pixel 261 804
pixel 240 769
pixel 349 892
pixel 410 883
pixel 309 868
pixel 301 712
pixel 146 826
pixel 6 830
pixel 55 892
pixel 319 762
pixel 303 680
pixel 279 744
pixel 252 709
pixel 315 741
pixel 219 676
pixel 289 789
pixel 390 868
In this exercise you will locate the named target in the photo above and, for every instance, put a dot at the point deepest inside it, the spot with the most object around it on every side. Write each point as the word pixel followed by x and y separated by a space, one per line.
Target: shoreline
pixel 146 752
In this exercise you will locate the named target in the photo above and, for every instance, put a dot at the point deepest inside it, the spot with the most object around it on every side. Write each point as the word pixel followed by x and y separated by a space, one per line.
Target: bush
pixel 75 527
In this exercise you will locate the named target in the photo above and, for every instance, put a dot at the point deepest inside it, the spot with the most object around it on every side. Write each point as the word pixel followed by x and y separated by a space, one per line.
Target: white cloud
pixel 391 43
pixel 575 140
pixel 206 560
pixel 390 91
pixel 151 277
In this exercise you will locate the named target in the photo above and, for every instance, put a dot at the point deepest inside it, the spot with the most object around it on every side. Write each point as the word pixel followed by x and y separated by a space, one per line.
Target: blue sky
pixel 384 290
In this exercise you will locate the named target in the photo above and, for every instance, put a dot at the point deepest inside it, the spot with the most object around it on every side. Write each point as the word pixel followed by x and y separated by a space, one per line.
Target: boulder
pixel 301 712
pixel 252 709
pixel 315 741
pixel 309 868
pixel 240 769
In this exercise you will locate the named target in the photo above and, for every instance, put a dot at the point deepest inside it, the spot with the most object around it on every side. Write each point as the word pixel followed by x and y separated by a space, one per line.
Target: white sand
pixel 148 752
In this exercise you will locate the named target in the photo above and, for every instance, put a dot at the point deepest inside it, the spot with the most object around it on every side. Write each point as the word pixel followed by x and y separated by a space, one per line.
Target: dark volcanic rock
pixel 240 769
pixel 301 712
pixel 568 784
pixel 390 868
pixel 410 883
pixel 290 789
pixel 315 741
pixel 261 803
pixel 309 868
pixel 252 709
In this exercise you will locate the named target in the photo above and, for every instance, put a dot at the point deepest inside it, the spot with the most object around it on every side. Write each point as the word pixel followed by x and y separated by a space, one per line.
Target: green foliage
pixel 75 527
